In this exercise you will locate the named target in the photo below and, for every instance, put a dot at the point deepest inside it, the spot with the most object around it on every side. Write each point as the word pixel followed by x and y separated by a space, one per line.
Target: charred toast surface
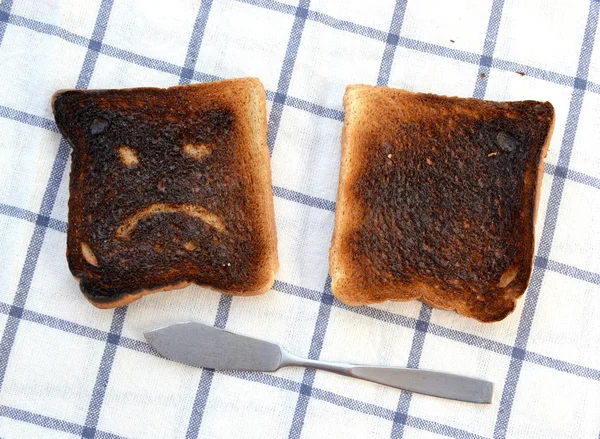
pixel 168 187
pixel 437 200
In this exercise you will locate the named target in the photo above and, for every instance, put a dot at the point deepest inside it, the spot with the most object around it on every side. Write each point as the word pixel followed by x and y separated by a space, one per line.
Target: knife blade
pixel 200 345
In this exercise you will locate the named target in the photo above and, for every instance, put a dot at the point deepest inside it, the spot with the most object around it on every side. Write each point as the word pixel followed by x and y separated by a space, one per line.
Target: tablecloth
pixel 68 369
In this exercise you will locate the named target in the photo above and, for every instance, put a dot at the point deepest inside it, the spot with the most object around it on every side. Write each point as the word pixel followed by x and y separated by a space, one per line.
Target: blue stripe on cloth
pixel 310 107
pixel 27 118
pixel 348 26
pixel 385 316
pixel 141 60
pixel 301 198
pixel 441 51
pixel 106 49
pixel 356 405
pixel 48 29
pixel 5 7
pixel 470 339
pixel 592 87
pixel 414 358
pixel 568 270
pixel 400 417
pixel 264 378
pixel 398 319
pixel 421 46
pixel 33 251
pixel 270 380
pixel 95 44
pixel 562 366
pixel 549 227
pixel 534 72
pixel 378 314
pixel 293 386
pixel 381 412
pixel 319 17
pixel 441 429
pixel 207 375
pixel 64 325
pixel 187 72
pixel 294 290
pixel 199 406
pixel 314 352
pixel 108 356
pixel 579 177
pixel 287 69
pixel 54 224
pixel 273 5
pixel 485 61
pixel 392 39
pixel 106 362
pixel 291 101
pixel 49 422
pixel 384 413
pixel 205 77
pixel 150 63
pixel 43 421
pixel 50 194
pixel 28 215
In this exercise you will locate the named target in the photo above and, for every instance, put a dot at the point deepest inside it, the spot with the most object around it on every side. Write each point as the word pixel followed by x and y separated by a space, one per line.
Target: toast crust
pixel 437 200
pixel 169 187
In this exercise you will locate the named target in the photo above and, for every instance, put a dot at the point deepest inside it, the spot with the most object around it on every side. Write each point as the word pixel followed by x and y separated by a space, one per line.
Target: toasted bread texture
pixel 437 200
pixel 169 187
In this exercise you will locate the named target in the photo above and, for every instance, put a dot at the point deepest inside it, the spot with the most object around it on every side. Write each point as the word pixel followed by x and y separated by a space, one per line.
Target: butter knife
pixel 200 345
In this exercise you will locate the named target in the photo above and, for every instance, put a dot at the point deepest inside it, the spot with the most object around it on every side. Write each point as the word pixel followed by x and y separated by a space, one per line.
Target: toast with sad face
pixel 169 187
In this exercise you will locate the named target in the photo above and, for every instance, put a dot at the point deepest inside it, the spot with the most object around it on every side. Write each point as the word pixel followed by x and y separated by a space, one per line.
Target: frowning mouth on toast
pixel 193 210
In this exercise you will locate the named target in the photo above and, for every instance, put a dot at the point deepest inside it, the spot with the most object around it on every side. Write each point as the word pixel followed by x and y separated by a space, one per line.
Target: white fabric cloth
pixel 67 368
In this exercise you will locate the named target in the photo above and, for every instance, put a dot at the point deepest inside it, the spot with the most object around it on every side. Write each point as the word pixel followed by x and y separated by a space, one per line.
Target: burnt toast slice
pixel 169 187
pixel 437 200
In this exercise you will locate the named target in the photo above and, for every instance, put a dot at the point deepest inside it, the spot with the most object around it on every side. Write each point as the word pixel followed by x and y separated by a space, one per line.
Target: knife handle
pixel 440 384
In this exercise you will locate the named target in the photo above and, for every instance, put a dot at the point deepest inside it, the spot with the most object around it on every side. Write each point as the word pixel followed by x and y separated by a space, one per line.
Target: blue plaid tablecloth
pixel 68 369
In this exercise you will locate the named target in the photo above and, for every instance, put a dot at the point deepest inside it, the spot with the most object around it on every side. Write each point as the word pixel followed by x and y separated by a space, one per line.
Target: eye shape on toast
pixel 169 187
pixel 437 200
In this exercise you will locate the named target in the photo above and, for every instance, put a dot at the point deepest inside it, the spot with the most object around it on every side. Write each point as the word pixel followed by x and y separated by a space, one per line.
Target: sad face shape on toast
pixel 168 187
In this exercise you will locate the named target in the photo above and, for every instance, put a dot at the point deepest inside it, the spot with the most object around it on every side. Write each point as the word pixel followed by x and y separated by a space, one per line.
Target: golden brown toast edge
pixel 250 85
pixel 343 288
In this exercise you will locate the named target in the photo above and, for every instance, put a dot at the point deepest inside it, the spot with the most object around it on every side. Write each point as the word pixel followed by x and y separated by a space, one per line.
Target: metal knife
pixel 204 346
